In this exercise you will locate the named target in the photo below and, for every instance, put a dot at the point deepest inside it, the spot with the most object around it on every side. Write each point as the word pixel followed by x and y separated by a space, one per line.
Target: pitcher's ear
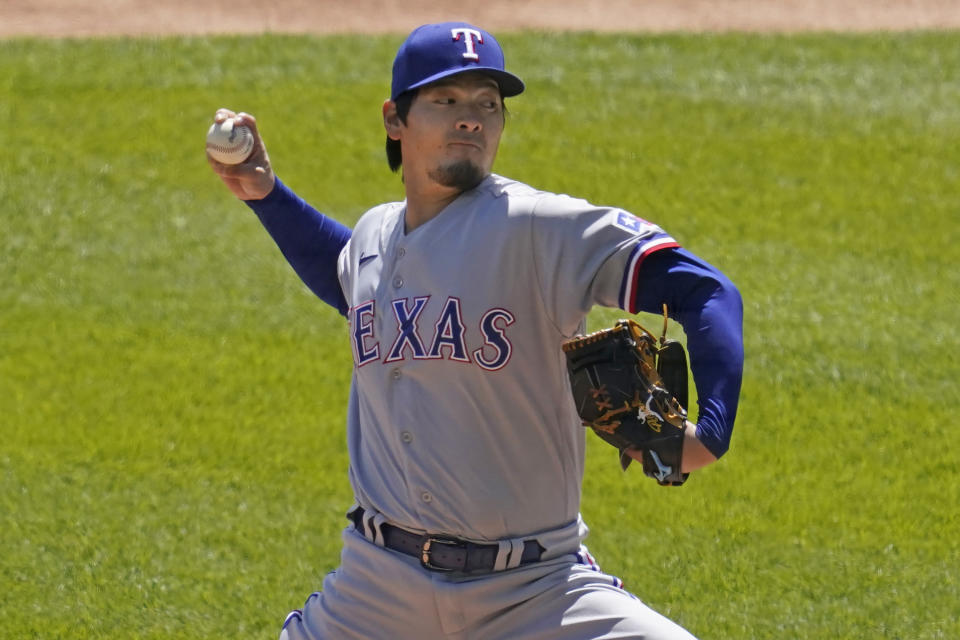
pixel 391 119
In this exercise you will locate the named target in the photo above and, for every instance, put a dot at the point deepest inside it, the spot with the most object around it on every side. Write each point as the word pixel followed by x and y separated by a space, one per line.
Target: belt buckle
pixel 427 547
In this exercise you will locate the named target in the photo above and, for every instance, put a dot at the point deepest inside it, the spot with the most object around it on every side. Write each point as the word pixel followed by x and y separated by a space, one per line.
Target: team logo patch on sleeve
pixel 631 223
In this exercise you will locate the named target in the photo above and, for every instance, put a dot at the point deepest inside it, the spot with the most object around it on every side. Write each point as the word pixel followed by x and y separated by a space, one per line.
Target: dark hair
pixel 403 102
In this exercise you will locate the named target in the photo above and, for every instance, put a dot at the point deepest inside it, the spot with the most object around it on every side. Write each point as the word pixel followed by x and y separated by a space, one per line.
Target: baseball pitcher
pixel 465 307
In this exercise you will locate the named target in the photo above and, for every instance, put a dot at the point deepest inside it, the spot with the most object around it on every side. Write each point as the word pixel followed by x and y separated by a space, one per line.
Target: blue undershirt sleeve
pixel 709 308
pixel 310 241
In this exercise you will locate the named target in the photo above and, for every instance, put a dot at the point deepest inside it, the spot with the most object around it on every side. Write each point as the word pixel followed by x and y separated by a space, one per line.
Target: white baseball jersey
pixel 460 418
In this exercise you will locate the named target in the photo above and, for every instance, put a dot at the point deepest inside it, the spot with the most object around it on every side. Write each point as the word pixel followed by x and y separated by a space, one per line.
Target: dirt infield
pixel 63 18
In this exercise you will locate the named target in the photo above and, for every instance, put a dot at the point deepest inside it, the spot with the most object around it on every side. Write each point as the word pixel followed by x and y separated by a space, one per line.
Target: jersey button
pixel 397 282
pixel 396 374
pixel 426 497
pixel 407 437
pixel 401 252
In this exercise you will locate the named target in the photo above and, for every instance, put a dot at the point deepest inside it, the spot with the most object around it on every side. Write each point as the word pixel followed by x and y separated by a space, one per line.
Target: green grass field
pixel 172 399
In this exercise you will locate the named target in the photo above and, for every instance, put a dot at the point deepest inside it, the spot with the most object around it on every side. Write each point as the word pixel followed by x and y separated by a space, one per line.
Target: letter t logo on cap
pixel 468 37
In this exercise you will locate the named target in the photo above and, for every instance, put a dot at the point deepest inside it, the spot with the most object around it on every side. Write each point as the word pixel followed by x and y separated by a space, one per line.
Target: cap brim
pixel 510 85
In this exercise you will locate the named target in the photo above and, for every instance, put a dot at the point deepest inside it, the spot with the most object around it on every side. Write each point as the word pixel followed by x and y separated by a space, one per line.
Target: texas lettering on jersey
pixel 430 336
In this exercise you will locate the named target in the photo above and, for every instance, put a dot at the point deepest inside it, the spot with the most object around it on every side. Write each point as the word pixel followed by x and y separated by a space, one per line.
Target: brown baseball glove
pixel 632 393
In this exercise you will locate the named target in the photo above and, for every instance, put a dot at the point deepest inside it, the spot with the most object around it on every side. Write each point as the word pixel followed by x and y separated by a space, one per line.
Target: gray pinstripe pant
pixel 378 594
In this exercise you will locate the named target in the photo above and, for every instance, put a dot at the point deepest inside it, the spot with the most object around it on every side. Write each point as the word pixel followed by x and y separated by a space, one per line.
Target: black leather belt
pixel 445 553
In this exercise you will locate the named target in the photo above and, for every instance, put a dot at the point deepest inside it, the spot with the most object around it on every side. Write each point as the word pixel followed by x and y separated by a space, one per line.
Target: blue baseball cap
pixel 435 51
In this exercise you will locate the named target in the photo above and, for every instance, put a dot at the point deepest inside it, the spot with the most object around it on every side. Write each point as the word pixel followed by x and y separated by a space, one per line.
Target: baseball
pixel 228 143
